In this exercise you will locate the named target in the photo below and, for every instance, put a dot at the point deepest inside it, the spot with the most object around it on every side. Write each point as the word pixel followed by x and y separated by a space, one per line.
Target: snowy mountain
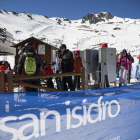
pixel 89 32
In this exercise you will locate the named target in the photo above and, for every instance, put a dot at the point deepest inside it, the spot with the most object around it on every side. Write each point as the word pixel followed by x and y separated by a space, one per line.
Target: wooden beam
pixel 34 86
pixel 83 79
pixel 2 81
pixel 10 81
pixel 42 76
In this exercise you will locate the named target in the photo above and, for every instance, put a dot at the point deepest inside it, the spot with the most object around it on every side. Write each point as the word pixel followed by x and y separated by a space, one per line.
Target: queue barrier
pixel 105 114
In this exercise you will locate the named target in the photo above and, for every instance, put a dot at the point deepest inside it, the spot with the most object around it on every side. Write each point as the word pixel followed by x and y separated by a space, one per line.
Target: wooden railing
pixel 13 80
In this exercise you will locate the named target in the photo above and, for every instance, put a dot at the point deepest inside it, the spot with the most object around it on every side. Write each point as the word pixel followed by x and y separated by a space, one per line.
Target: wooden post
pixel 10 81
pixel 83 79
pixel 2 81
pixel 10 89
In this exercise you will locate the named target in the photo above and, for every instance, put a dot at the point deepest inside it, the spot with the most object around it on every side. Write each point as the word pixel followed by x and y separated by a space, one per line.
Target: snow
pixel 125 122
pixel 75 34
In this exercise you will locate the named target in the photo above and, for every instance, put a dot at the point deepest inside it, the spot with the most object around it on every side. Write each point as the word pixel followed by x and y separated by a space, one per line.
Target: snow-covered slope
pixel 117 32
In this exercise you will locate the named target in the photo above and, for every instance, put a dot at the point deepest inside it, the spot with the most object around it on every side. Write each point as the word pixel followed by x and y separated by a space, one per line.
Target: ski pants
pixel 123 75
pixel 34 82
pixel 76 82
pixel 58 81
pixel 129 75
pixel 50 83
pixel 67 79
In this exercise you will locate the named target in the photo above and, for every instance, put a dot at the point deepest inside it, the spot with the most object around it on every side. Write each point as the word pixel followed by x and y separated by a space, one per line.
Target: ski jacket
pixel 77 64
pixel 22 59
pixel 57 65
pixel 5 69
pixel 9 67
pixel 128 66
pixel 67 61
pixel 49 71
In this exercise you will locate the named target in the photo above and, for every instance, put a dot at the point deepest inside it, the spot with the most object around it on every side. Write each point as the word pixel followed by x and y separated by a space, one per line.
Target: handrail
pixel 14 80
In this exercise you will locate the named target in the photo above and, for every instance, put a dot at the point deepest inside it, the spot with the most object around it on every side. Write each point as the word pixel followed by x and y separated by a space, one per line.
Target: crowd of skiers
pixel 30 63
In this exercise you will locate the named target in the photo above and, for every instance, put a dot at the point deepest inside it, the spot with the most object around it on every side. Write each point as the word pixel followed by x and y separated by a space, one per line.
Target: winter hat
pixel 29 46
pixel 77 52
pixel 5 63
pixel 104 45
pixel 124 51
pixel 63 46
pixel 58 51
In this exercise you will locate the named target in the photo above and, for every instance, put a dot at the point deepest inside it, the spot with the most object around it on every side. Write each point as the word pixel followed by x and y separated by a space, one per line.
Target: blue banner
pixel 106 114
pixel 135 70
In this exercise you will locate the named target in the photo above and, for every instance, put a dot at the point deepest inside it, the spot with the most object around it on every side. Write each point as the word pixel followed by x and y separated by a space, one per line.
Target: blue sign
pixel 107 114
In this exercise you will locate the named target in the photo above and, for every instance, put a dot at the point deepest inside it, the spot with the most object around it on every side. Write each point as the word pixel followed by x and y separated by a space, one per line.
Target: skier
pixel 5 67
pixel 124 62
pixel 67 66
pixel 32 63
pixel 58 68
pixel 129 72
pixel 47 70
pixel 77 68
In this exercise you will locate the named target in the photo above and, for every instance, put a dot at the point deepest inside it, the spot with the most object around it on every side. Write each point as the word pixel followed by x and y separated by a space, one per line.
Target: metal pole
pixel 2 81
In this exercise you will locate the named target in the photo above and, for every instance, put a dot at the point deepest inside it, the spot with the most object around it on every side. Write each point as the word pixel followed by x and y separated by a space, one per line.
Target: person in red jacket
pixel 8 65
pixel 77 68
pixel 47 70
pixel 5 66
pixel 124 63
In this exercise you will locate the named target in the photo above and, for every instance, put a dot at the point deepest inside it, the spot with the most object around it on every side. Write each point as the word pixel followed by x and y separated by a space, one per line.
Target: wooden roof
pixel 28 40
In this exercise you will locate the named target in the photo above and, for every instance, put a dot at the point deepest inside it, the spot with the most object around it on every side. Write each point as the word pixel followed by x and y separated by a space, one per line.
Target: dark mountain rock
pixel 91 17
pixel 116 28
pixel 59 21
pixel 100 15
pixel 100 19
pixel 109 16
pixel 0 11
pixel 45 16
pixel 94 20
pixel 15 13
pixel 88 16
pixel 5 11
pixel 30 17
pixel 66 19
pixel 25 12
pixel 17 31
pixel 110 22
pixel 83 21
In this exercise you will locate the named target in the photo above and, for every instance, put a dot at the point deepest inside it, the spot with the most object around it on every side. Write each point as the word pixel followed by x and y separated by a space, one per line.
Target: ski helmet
pixel 77 52
pixel 63 46
pixel 104 45
pixel 124 51
pixel 29 46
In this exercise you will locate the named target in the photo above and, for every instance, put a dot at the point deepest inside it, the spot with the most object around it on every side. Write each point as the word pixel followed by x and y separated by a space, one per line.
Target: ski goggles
pixel 58 53
pixel 77 54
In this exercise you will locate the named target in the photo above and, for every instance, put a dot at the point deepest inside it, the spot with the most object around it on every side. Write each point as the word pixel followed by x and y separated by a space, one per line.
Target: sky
pixel 74 9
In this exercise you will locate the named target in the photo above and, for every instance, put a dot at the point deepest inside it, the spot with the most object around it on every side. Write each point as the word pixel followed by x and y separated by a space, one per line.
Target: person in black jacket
pixel 129 71
pixel 29 49
pixel 67 66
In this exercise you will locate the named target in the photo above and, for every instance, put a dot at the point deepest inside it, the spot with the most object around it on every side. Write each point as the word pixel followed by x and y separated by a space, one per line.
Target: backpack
pixel 132 59
pixel 30 64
